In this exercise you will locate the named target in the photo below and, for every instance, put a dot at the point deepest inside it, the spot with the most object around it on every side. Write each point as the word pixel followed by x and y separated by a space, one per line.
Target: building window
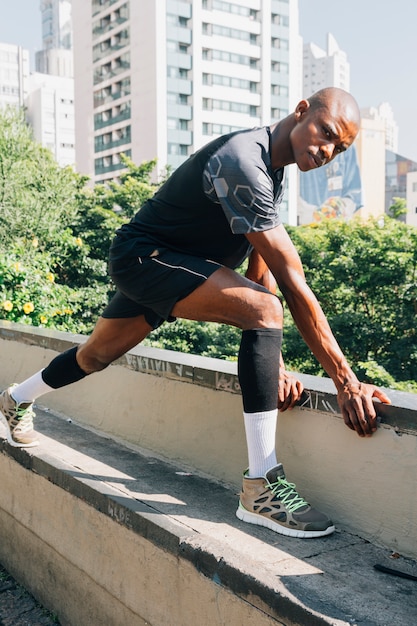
pixel 180 149
pixel 177 72
pixel 177 124
pixel 228 81
pixel 232 33
pixel 226 105
pixel 229 7
pixel 223 129
pixel 279 90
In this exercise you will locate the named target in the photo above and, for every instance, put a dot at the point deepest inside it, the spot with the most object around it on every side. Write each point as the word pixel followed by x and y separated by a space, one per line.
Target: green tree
pixel 37 197
pixel 398 208
pixel 202 338
pixel 104 208
pixel 38 234
pixel 364 275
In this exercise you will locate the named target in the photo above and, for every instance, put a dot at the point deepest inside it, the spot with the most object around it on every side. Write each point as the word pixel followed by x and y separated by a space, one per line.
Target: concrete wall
pixel 93 571
pixel 189 408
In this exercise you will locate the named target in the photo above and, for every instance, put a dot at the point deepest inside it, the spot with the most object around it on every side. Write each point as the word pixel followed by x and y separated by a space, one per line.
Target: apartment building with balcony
pixel 14 72
pixel 161 79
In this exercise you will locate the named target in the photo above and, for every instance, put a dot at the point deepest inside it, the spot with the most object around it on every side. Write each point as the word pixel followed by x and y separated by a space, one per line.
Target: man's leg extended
pixel 110 339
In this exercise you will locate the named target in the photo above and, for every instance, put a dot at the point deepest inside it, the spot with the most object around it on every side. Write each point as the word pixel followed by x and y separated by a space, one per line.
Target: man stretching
pixel 177 258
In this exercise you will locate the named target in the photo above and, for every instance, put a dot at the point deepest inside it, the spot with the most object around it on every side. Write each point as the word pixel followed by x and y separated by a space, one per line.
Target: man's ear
pixel 301 108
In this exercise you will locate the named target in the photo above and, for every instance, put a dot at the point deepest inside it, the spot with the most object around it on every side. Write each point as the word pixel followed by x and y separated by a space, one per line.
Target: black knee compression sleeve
pixel 63 370
pixel 258 368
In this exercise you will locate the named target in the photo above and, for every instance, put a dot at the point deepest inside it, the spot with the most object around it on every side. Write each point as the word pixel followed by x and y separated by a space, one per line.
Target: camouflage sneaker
pixel 274 502
pixel 18 421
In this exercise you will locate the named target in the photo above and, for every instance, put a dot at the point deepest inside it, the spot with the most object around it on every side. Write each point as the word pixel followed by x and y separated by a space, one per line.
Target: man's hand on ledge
pixel 290 390
pixel 358 411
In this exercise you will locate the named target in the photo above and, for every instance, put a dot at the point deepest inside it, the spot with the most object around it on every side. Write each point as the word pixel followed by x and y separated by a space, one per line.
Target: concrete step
pixel 174 531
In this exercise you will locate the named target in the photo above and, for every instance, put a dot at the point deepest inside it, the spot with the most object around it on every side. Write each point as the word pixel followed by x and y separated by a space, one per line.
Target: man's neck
pixel 281 149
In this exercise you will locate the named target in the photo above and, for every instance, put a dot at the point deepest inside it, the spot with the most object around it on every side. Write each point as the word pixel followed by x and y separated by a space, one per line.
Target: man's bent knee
pixel 91 362
pixel 268 312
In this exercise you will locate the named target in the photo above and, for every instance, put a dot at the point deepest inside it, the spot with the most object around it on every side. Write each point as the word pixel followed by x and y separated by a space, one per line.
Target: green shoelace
pixel 288 494
pixel 24 418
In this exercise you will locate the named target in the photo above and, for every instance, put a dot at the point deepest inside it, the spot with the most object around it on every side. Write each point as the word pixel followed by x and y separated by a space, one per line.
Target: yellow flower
pixel 16 266
pixel 28 308
pixel 7 305
pixel 79 241
pixel 50 277
pixel 68 311
pixel 35 242
pixel 43 319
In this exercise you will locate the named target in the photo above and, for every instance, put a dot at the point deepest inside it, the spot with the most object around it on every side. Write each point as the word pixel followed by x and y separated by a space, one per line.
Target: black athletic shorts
pixel 152 285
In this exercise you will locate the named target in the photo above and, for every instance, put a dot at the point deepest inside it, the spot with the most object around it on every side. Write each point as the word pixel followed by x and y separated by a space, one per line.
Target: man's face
pixel 321 134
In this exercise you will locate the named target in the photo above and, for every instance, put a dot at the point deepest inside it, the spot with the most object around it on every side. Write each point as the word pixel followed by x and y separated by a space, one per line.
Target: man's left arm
pixel 354 397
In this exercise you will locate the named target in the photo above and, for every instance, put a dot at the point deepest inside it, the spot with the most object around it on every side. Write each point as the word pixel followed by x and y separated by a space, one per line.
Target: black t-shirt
pixel 224 190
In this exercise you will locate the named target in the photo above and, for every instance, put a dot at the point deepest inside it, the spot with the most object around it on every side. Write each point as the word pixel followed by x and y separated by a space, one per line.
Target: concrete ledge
pixel 102 533
pixel 214 374
pixel 187 409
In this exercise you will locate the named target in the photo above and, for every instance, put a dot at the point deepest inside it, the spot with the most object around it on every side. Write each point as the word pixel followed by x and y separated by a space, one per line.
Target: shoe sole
pixel 259 520
pixel 11 441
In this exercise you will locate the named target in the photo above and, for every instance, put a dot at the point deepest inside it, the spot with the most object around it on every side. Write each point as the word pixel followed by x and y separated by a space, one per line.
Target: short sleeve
pixel 237 177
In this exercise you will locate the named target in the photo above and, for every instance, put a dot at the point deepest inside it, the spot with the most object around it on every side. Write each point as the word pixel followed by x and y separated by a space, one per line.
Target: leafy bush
pixel 364 274
pixel 203 338
pixel 30 295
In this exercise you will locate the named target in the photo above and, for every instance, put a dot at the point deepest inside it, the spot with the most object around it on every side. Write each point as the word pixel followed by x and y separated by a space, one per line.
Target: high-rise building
pixel 161 79
pixel 50 112
pixel 384 113
pixel 324 68
pixel 14 71
pixel 56 56
pixel 397 178
pixel 411 217
pixel 49 100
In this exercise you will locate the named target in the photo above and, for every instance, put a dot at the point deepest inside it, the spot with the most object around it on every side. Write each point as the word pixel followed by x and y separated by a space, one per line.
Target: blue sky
pixel 379 38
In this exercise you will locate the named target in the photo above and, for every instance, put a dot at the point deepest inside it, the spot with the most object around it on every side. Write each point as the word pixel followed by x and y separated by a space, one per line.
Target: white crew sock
pixel 30 389
pixel 260 437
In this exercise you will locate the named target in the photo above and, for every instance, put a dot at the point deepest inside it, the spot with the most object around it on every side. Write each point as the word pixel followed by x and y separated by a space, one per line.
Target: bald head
pixel 322 127
pixel 334 98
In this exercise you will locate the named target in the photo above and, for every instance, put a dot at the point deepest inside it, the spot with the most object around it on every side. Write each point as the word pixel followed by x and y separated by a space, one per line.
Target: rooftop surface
pixel 331 580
